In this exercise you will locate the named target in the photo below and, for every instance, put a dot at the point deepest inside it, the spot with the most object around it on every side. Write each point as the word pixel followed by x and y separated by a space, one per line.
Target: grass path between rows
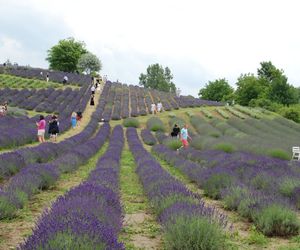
pixel 243 236
pixel 13 232
pixel 140 229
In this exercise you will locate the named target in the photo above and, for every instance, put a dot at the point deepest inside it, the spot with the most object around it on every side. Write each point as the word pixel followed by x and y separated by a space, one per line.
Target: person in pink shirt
pixel 41 126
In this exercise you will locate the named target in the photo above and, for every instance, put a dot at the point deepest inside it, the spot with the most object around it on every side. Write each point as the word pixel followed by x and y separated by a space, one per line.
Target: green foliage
pixel 279 153
pixel 256 238
pixel 7 209
pixel 173 143
pixel 245 208
pixel 89 63
pixel 249 87
pixel 197 233
pixel 226 147
pixel 290 113
pixel 287 186
pixel 276 220
pixel 215 183
pixel 65 55
pixel 233 197
pixel 216 90
pixel 158 78
pixel 131 122
pixel 155 124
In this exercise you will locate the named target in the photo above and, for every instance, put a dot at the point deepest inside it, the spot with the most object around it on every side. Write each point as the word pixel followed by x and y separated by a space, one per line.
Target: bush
pixel 7 209
pixel 257 238
pixel 226 147
pixel 279 153
pixel 131 122
pixel 245 207
pixel 197 233
pixel 290 113
pixel 215 183
pixel 155 124
pixel 287 186
pixel 276 220
pixel 173 143
pixel 233 197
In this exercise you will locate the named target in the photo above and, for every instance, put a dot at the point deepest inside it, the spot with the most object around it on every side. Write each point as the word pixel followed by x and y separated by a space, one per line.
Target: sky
pixel 200 41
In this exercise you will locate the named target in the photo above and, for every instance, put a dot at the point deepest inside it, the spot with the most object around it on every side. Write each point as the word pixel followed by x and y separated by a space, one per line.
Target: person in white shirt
pixel 65 79
pixel 159 107
pixel 153 108
pixel 93 90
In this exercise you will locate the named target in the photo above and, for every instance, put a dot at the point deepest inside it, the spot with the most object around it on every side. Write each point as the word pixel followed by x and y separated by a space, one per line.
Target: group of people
pixel 156 108
pixel 3 109
pixel 182 134
pixel 53 129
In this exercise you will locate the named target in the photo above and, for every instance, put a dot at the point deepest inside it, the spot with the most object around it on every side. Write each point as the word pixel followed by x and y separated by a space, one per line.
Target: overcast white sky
pixel 198 40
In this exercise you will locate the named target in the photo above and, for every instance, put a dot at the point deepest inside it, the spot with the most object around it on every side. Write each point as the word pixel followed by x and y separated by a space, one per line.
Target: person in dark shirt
pixel 175 131
pixel 53 128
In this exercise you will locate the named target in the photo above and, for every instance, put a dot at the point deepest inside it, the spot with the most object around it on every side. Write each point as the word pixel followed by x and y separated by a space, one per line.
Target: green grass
pixel 134 201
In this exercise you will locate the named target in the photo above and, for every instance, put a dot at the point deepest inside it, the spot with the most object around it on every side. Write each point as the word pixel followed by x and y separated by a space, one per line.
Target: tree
pixel 216 90
pixel 249 87
pixel 89 63
pixel 65 55
pixel 158 78
pixel 268 71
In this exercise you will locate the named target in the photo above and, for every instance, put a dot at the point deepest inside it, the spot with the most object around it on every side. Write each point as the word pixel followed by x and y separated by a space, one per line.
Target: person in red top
pixel 41 126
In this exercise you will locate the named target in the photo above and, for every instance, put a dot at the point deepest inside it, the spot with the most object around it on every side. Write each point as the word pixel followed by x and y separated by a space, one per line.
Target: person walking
pixel 92 101
pixel 159 107
pixel 184 135
pixel 93 89
pixel 65 80
pixel 41 126
pixel 47 77
pixel 175 132
pixel 53 128
pixel 153 108
pixel 73 120
pixel 78 118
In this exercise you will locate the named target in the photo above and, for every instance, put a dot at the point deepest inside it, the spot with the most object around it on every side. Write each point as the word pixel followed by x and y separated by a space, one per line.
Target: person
pixel 92 102
pixel 73 120
pixel 184 135
pixel 159 107
pixel 65 79
pixel 78 117
pixel 47 77
pixel 41 73
pixel 41 126
pixel 2 113
pixel 153 108
pixel 175 131
pixel 93 89
pixel 53 128
pixel 5 107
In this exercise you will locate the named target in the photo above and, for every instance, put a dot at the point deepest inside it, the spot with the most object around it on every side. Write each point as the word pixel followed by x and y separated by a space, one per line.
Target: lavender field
pixel 120 183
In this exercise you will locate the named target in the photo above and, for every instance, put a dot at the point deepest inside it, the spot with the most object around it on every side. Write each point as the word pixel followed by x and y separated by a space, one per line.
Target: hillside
pixel 121 183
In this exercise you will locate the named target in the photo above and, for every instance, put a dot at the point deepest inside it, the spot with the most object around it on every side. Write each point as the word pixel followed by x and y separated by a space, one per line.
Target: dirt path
pixel 140 229
pixel 13 232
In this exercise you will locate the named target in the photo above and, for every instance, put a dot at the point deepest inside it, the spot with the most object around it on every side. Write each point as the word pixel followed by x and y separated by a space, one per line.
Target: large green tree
pixel 250 87
pixel 216 90
pixel 158 78
pixel 65 55
pixel 89 63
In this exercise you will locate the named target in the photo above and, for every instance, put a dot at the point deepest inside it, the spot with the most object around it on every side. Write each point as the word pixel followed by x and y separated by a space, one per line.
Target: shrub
pixel 197 233
pixel 226 147
pixel 276 220
pixel 279 153
pixel 245 207
pixel 287 186
pixel 155 124
pixel 215 183
pixel 261 182
pixel 233 197
pixel 295 197
pixel 173 143
pixel 131 122
pixel 257 238
pixel 7 209
pixel 197 143
pixel 291 114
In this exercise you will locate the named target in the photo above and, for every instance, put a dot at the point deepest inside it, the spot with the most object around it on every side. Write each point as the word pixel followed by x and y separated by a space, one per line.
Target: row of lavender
pixel 90 215
pixel 46 100
pixel 55 76
pixel 12 162
pixel 40 176
pixel 123 101
pixel 177 208
pixel 262 189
